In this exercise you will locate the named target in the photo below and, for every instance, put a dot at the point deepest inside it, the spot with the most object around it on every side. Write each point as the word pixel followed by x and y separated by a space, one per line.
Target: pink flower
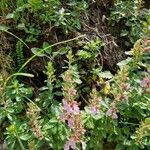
pixel 112 113
pixel 94 110
pixel 70 144
pixel 70 122
pixel 145 82
pixel 67 106
pixel 71 107
pixel 75 109
pixel 62 117
pixel 123 98
pixel 125 86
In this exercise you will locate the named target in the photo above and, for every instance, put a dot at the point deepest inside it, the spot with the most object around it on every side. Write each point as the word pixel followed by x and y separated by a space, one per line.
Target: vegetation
pixel 74 74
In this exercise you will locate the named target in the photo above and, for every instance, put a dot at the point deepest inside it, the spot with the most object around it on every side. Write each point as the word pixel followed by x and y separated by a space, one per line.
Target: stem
pixel 42 50
pixel 31 102
pixel 21 144
pixel 128 123
pixel 17 38
pixel 16 74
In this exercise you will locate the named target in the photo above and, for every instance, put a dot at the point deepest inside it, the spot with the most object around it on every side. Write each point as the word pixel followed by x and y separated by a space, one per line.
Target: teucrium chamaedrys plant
pixel 71 111
pixel 85 107
pixel 117 113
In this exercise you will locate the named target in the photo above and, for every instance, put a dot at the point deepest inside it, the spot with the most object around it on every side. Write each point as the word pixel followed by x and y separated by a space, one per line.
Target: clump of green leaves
pixel 108 115
pixel 85 107
pixel 53 12
pixel 130 15
pixel 91 50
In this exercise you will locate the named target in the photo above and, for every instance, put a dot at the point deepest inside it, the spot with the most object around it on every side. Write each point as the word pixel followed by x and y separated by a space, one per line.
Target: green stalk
pixel 17 38
pixel 42 50
pixel 21 144
pixel 16 74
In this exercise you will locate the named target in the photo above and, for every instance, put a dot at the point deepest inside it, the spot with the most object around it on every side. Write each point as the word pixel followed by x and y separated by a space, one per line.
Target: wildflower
pixel 122 97
pixel 94 110
pixel 70 109
pixel 71 112
pixel 112 112
pixel 33 115
pixel 67 106
pixel 145 83
pixel 71 122
pixel 94 106
pixel 71 143
pixel 147 47
pixel 72 92
pixel 147 41
pixel 125 86
pixel 75 108
pixel 75 123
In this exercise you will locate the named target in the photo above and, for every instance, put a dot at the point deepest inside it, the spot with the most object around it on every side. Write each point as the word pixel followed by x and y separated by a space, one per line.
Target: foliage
pixel 104 117
pixel 53 13
pixel 82 105
pixel 131 15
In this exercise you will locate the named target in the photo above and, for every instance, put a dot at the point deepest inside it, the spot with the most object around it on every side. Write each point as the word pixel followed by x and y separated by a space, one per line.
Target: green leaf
pixel 24 137
pixel 124 62
pixel 10 16
pixel 58 93
pixel 48 50
pixel 129 53
pixel 147 120
pixel 63 51
pixel 78 81
pixel 106 75
pixel 36 52
pixel 21 26
pixel 24 74
pixel 2 115
pixel 119 147
pixel 124 33
pixel 84 54
pixel 3 28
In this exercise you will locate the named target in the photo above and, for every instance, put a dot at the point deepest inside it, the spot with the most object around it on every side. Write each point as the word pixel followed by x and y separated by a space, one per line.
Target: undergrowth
pixel 81 104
